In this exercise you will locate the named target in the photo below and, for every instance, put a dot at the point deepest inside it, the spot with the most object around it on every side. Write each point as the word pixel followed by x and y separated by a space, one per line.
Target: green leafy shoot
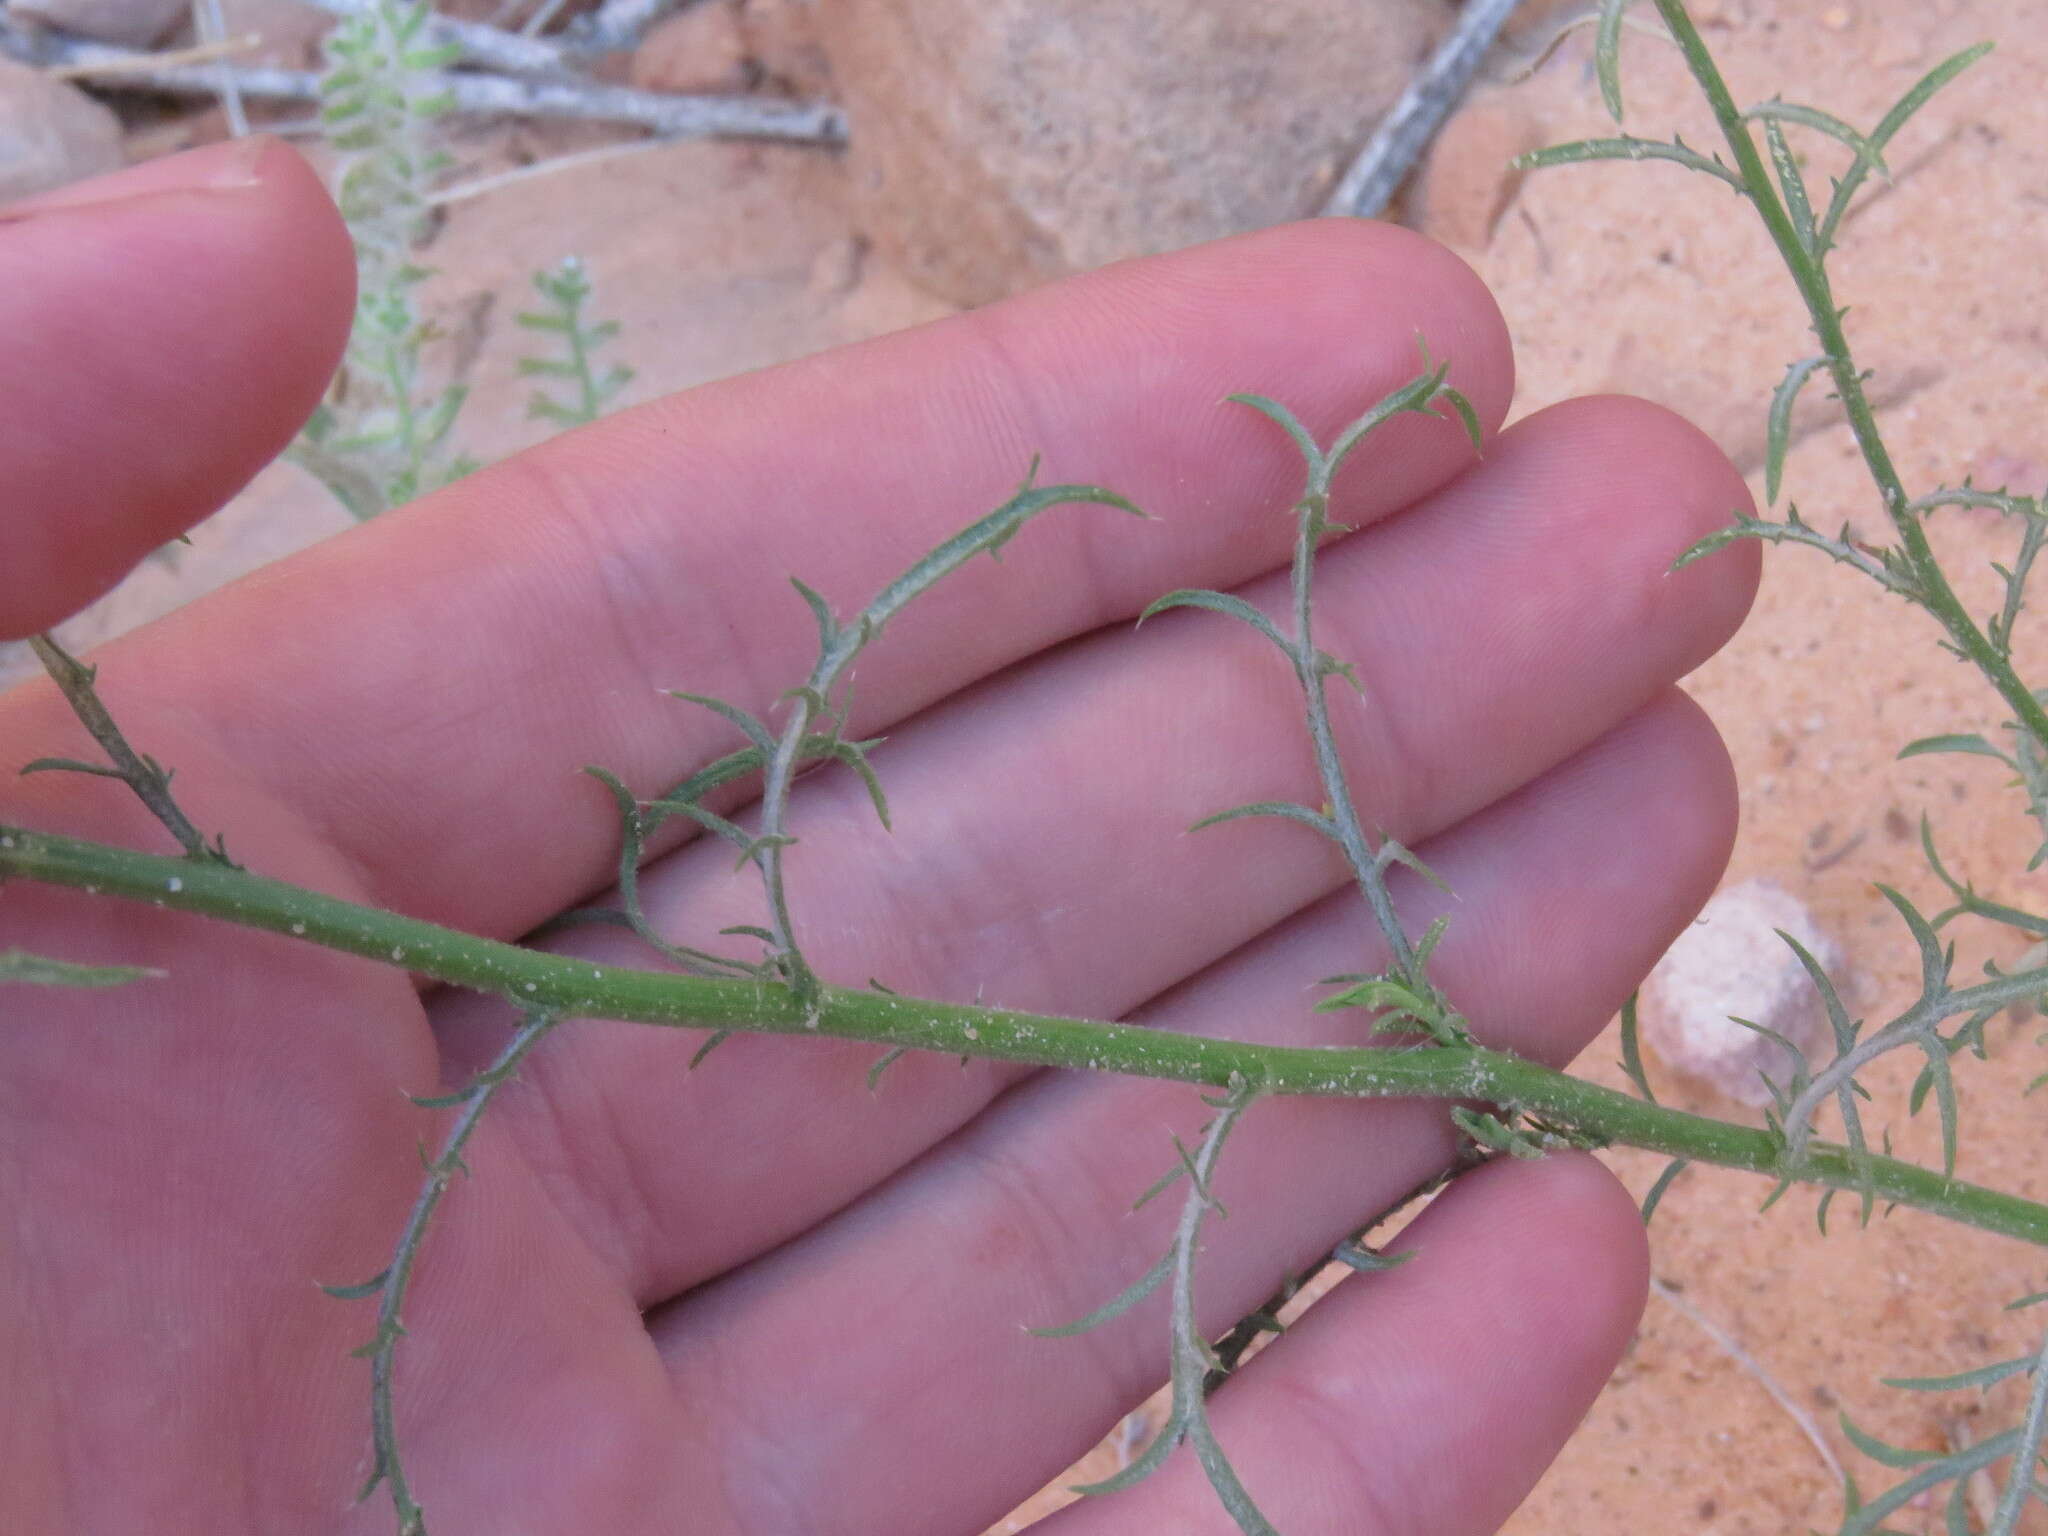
pixel 381 437
pixel 42 971
pixel 1957 1468
pixel 389 1285
pixel 1194 1360
pixel 812 732
pixel 565 292
pixel 148 779
pixel 1632 1050
pixel 1403 991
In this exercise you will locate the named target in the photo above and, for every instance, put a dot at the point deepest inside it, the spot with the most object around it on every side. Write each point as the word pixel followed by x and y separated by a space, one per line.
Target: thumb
pixel 169 327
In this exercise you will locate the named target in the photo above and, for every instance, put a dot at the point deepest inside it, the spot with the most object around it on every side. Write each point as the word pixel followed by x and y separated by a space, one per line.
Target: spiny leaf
pixel 1415 395
pixel 751 728
pixel 441 1100
pixel 1391 852
pixel 1142 1466
pixel 1792 184
pixel 1493 1132
pixel 1945 1100
pixel 1778 435
pixel 1223 603
pixel 362 1289
pixel 1982 1376
pixel 1962 741
pixel 1894 120
pixel 1377 993
pixel 1288 422
pixel 1628 147
pixel 1880 1451
pixel 1116 1306
pixel 42 971
pixel 1838 1016
pixel 1223 1478
pixel 69 765
pixel 855 755
pixel 1771 113
pixel 1370 1261
pixel 1607 54
pixel 1285 809
pixel 1933 963
pixel 828 626
pixel 1468 418
pixel 1632 1055
pixel 883 1063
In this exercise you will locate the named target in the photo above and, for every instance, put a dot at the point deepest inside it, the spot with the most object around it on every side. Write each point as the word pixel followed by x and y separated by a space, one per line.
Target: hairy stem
pixel 1809 274
pixel 575 988
pixel 390 1287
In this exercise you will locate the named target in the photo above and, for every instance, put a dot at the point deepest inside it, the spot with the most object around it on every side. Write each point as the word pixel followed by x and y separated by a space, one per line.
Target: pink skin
pixel 398 715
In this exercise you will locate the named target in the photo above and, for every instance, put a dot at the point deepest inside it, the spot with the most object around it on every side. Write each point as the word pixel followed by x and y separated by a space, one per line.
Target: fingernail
pixel 223 167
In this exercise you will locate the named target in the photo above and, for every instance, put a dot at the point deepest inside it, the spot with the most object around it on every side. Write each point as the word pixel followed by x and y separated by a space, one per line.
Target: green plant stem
pixel 1372 884
pixel 391 1286
pixel 1810 275
pixel 575 988
pixel 152 786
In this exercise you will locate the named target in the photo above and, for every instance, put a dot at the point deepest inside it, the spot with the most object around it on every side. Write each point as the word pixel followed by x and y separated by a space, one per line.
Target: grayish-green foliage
pixel 1946 1019
pixel 384 433
pixel 565 292
pixel 381 436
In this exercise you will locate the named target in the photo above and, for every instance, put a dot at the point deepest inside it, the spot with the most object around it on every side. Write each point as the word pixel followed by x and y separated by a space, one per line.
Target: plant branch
pixel 575 988
pixel 1804 258
pixel 678 117
pixel 142 774
pixel 389 1286
pixel 1413 121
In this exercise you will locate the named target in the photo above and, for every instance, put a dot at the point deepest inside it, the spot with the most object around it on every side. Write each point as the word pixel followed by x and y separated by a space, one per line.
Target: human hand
pixel 757 1298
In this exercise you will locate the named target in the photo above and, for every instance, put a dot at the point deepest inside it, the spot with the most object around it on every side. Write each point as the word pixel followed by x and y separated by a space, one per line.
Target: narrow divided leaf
pixel 1778 436
pixel 42 971
pixel 1632 1054
pixel 1223 603
pixel 1627 147
pixel 1116 1306
pixel 1287 810
pixel 1607 54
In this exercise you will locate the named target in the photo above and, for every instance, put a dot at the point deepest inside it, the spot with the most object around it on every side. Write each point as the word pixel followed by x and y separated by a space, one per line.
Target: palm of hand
pixel 757 1298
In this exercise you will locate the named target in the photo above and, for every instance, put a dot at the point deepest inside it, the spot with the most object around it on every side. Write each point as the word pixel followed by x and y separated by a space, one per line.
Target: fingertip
pixel 171 326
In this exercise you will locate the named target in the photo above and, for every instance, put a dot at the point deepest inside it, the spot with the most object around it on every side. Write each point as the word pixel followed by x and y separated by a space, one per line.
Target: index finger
pixel 433 681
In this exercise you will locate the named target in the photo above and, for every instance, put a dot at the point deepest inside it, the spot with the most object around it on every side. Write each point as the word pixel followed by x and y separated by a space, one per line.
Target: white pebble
pixel 1732 962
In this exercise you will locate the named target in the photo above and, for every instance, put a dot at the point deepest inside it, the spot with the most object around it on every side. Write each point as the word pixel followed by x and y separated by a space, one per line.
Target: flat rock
pixel 1000 143
pixel 51 133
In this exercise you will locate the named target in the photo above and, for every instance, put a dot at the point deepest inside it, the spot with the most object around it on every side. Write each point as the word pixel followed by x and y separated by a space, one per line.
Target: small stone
pixel 129 23
pixel 1731 961
pixel 696 52
pixel 51 133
